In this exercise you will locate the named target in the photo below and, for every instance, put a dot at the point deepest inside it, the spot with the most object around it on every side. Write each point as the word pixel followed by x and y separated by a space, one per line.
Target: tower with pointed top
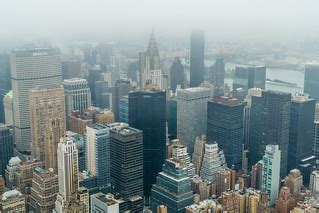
pixel 152 74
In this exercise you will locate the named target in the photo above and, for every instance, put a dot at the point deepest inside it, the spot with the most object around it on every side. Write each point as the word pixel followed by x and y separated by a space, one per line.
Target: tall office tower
pixel 316 141
pixel 285 202
pixel 77 96
pixel 294 181
pixel 147 112
pixel 197 65
pixel 95 74
pixel 177 150
pixel 171 117
pixel 13 201
pixel 249 77
pixel 123 109
pixel 141 67
pixel 152 73
pixel 29 69
pixel 217 75
pixel 192 114
pixel 80 145
pixel 257 176
pixel 213 162
pixel 8 108
pixel 225 126
pixel 47 122
pixel 122 88
pixel 311 82
pixel 198 154
pixel 271 172
pixel 302 116
pixel 6 147
pixel 269 124
pixel 132 69
pixel 172 188
pixel 71 69
pixel 5 81
pixel 102 95
pixel 225 180
pixel 68 172
pixel 177 74
pixel 127 164
pixel 45 187
pixel 97 142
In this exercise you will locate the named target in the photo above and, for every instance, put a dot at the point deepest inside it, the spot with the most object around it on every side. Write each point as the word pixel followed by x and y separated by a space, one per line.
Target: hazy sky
pixel 125 19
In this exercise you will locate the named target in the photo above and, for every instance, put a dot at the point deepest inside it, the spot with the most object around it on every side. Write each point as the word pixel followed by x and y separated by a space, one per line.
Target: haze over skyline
pixel 125 20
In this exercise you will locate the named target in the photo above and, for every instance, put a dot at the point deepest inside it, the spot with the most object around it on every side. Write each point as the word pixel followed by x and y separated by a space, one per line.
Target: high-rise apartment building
pixel 30 69
pixel 47 122
pixel 122 88
pixel 271 172
pixel 249 77
pixel 45 187
pixel 294 181
pixel 127 163
pixel 6 147
pixel 97 142
pixel 197 65
pixel 147 112
pixel 257 176
pixel 311 81
pixel 192 114
pixel 77 96
pixel 302 116
pixel 225 126
pixel 213 162
pixel 269 124
pixel 68 172
pixel 172 188
pixel 225 180
pixel 177 74
pixel 285 202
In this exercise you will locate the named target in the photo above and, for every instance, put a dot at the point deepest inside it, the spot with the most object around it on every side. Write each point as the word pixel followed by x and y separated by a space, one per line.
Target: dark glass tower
pixel 269 124
pixel 311 83
pixel 127 163
pixel 249 77
pixel 171 117
pixel 217 76
pixel 147 112
pixel 102 94
pixel 5 81
pixel 6 147
pixel 172 188
pixel 225 126
pixel 301 133
pixel 197 58
pixel 177 74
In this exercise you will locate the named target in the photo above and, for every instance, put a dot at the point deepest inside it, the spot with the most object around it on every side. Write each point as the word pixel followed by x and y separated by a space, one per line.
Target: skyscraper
pixel 68 172
pixel 311 82
pixel 197 58
pixel 301 131
pixel 171 117
pixel 123 109
pixel 177 74
pixel 102 95
pixel 5 81
pixel 172 188
pixel 152 73
pixel 45 187
pixel 127 163
pixel 29 69
pixel 256 176
pixel 47 122
pixel 77 96
pixel 6 147
pixel 269 124
pixel 192 115
pixel 198 154
pixel 225 126
pixel 271 173
pixel 97 142
pixel 217 75
pixel 314 183
pixel 147 112
pixel 122 88
pixel 249 77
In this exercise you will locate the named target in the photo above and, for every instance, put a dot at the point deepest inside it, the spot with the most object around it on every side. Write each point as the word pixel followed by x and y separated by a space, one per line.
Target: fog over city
pixel 130 19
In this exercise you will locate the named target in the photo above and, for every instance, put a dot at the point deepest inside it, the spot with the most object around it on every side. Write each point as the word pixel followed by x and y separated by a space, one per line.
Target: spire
pixel 152 49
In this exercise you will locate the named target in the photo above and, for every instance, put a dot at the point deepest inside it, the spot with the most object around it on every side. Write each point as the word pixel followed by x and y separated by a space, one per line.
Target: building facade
pixel 197 65
pixel 6 147
pixel 177 75
pixel 249 77
pixel 311 81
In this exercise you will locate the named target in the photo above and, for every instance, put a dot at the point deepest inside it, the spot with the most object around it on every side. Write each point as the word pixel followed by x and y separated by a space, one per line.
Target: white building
pixel 8 108
pixel 314 183
pixel 271 172
pixel 104 203
pixel 192 114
